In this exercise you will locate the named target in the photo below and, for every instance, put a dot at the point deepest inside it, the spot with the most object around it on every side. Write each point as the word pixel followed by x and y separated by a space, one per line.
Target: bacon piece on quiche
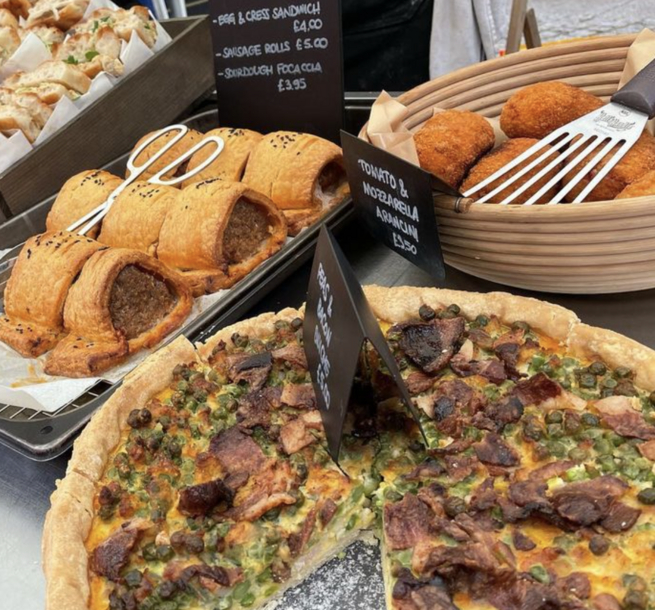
pixel 431 345
pixel 620 413
pixel 406 523
pixel 237 452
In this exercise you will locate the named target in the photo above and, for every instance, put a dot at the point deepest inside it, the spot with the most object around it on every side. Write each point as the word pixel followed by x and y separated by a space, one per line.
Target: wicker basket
pixel 589 248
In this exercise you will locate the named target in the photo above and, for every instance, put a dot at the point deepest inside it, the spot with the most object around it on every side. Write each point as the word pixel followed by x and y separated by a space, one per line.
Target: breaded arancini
pixel 450 143
pixel 639 188
pixel 636 162
pixel 537 110
pixel 500 157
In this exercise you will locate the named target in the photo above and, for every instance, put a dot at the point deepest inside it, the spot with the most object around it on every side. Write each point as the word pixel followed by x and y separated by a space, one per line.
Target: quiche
pixel 204 482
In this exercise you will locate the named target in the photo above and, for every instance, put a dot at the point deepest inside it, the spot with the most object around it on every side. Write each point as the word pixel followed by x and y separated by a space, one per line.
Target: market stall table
pixel 354 581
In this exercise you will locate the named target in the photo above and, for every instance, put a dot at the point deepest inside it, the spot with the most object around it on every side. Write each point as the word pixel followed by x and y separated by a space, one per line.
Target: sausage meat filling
pixel 138 301
pixel 247 228
pixel 330 184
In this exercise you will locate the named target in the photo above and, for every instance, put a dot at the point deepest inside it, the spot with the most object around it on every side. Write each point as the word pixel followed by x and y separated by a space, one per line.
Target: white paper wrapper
pixel 133 55
pixel 12 149
pixel 24 384
pixel 31 53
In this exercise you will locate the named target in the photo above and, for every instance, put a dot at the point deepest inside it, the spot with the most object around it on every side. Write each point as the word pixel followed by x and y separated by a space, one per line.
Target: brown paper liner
pixel 640 54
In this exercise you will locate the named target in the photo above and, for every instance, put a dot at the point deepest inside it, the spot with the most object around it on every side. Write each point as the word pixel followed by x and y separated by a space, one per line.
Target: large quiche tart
pixel 204 483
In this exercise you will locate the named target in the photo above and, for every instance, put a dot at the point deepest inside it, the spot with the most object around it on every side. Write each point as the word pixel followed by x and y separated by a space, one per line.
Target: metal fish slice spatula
pixel 610 130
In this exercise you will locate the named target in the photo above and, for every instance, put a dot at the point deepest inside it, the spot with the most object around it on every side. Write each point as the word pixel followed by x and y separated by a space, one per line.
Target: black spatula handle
pixel 639 93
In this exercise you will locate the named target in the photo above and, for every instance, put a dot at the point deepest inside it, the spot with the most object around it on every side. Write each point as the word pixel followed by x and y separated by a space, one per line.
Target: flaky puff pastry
pixel 136 217
pixel 190 139
pixel 231 163
pixel 37 289
pixel 79 195
pixel 298 171
pixel 109 314
pixel 219 231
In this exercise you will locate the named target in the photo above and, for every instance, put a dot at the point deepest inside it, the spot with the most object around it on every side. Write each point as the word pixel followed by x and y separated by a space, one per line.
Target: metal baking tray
pixel 43 436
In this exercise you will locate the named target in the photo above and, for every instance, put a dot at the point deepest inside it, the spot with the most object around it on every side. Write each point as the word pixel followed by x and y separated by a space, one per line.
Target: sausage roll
pixel 36 291
pixel 136 217
pixel 231 163
pixel 123 301
pixel 298 172
pixel 79 195
pixel 191 138
pixel 217 232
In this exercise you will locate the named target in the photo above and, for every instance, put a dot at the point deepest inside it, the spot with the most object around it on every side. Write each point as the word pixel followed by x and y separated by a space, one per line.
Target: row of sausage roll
pixel 90 304
pixel 302 174
pixel 131 280
pixel 213 233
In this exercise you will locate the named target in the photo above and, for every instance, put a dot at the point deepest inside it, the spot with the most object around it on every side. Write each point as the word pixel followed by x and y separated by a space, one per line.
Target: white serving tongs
pixel 92 218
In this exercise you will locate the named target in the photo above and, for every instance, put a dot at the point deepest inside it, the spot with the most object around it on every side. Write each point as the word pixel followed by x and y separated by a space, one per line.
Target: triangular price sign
pixel 394 200
pixel 338 319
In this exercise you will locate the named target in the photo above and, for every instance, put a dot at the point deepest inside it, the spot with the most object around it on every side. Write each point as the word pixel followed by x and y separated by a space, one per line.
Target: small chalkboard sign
pixel 394 199
pixel 279 65
pixel 338 319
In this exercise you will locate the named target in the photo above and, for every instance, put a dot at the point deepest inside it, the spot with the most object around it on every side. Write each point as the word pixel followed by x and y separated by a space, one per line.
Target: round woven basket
pixel 587 248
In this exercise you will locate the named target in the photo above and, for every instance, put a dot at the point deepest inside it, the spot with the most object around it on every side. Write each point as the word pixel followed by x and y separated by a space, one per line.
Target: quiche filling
pixel 222 482
pixel 534 492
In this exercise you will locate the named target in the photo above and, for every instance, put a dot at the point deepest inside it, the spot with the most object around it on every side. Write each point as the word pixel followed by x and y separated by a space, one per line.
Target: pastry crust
pixel 64 556
pixel 397 304
pixel 67 524
pixel 94 343
pixel 79 195
pixel 231 163
pixel 297 220
pixel 258 327
pixel 191 138
pixel 102 435
pixel 287 167
pixel 136 217
pixel 192 236
pixel 616 350
pixel 37 289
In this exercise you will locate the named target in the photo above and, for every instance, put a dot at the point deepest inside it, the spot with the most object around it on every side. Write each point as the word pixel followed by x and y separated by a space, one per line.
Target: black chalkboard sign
pixel 338 319
pixel 394 199
pixel 279 65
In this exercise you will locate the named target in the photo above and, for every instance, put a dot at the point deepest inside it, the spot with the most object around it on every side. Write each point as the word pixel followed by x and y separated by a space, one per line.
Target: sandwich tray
pixel 43 436
pixel 150 98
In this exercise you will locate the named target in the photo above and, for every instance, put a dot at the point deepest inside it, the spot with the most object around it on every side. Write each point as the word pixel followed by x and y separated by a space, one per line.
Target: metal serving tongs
pixel 92 218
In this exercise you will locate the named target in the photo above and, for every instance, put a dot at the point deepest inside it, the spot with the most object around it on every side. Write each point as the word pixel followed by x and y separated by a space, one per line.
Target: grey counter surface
pixel 352 582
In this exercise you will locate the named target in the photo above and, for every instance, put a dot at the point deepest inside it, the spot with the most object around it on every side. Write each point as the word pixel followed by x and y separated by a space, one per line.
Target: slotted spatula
pixel 616 125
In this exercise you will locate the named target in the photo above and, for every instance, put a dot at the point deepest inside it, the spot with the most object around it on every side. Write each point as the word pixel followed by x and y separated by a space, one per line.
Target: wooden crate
pixel 587 248
pixel 150 98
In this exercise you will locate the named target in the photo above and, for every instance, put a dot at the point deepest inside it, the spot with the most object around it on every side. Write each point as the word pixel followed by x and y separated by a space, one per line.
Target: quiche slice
pixel 205 482
pixel 536 489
